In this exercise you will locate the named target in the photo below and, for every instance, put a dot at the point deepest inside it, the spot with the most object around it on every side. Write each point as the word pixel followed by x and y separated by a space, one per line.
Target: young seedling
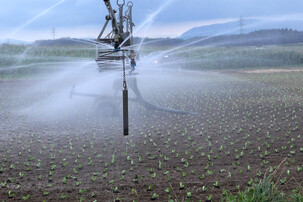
pixel 181 186
pixel 64 196
pixel 53 167
pixel 282 181
pixel 96 173
pixel 184 174
pixel 160 165
pixel 12 167
pixel 10 180
pixel 208 198
pixel 188 194
pixel 80 166
pixel 45 193
pixel 26 197
pixel 51 173
pixel 166 173
pixel 11 194
pixel 116 190
pixel 229 175
pixel 251 181
pixel 134 191
pixel 64 180
pixel 21 174
pixel 113 159
pixel 94 178
pixel 82 191
pixel 210 172
pixel 92 195
pixel 154 196
pixel 217 184
pixel 75 170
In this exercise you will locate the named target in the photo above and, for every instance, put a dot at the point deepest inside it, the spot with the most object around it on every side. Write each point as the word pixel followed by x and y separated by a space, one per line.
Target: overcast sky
pixel 33 19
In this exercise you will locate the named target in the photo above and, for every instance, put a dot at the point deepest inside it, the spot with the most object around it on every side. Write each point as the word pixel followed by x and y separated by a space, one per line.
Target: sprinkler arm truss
pixel 120 36
pixel 116 46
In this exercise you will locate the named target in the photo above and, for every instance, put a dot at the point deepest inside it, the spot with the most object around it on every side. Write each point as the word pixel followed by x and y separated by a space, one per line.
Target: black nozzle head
pixel 133 63
pixel 117 48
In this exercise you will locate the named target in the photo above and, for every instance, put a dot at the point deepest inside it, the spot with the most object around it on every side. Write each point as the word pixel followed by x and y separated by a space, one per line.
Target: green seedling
pixel 154 196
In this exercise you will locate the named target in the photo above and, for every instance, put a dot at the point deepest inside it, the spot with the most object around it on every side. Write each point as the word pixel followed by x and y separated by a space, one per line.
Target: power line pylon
pixel 241 24
pixel 53 32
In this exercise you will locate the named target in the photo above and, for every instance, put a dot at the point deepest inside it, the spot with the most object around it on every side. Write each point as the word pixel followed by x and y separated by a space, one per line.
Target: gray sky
pixel 33 19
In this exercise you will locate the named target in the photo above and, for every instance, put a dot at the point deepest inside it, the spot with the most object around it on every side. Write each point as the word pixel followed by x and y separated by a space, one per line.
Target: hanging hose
pixel 125 100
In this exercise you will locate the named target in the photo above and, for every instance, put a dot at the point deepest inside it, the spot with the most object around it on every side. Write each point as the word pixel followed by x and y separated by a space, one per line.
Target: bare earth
pixel 244 127
pixel 268 71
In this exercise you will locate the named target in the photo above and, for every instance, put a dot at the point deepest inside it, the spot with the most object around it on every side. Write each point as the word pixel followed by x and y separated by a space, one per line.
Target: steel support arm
pixel 103 29
pixel 111 14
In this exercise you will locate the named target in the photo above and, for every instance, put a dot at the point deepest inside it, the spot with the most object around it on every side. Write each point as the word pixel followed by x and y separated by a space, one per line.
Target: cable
pixel 124 71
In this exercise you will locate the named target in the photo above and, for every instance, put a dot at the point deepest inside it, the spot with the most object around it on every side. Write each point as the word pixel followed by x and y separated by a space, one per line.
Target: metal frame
pixel 120 36
pixel 122 41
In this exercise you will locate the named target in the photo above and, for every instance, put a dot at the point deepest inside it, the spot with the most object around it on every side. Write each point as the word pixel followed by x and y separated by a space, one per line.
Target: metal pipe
pixel 125 113
pixel 130 21
pixel 104 27
pixel 121 19
pixel 111 14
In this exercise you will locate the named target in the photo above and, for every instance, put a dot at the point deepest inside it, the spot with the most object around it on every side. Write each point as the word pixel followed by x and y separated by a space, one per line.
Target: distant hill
pixel 65 42
pixel 257 38
pixel 13 41
pixel 234 27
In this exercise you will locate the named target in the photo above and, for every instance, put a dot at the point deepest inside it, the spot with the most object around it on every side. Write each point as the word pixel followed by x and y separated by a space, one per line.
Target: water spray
pixel 120 38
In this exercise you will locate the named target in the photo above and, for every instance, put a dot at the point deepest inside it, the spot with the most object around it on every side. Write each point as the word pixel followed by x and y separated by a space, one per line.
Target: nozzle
pixel 117 42
pixel 133 63
pixel 117 49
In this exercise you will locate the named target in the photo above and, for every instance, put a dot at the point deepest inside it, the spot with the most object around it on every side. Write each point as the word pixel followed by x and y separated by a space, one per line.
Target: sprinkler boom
pixel 120 41
pixel 121 32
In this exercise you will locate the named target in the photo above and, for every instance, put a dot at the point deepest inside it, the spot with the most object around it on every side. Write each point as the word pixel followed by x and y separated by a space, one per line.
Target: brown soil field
pixel 268 71
pixel 244 126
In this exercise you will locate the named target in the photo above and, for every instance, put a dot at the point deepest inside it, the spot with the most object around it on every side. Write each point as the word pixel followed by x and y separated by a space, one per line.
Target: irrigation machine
pixel 112 49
